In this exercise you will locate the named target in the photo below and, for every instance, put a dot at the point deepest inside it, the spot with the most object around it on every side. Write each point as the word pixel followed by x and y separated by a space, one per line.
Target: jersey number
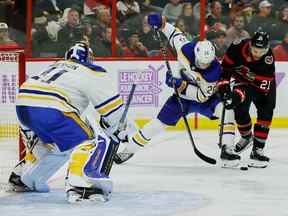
pixel 210 89
pixel 265 85
pixel 50 75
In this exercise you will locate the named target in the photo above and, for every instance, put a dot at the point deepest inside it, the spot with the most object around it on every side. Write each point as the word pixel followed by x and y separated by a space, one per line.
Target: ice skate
pixel 123 156
pixel 16 185
pixel 229 158
pixel 243 144
pixel 82 194
pixel 258 159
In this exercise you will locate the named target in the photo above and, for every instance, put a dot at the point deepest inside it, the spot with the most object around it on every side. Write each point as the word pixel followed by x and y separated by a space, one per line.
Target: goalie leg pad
pixel 86 170
pixel 37 170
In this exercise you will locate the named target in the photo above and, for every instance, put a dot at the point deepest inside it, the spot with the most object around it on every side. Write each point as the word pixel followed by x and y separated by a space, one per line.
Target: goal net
pixel 12 74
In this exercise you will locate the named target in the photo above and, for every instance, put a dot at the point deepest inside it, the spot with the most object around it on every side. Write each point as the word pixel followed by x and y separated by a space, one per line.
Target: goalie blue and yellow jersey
pixel 69 86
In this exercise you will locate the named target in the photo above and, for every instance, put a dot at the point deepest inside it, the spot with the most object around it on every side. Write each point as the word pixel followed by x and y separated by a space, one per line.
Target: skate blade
pixel 257 164
pixel 75 198
pixel 122 157
pixel 235 164
pixel 9 188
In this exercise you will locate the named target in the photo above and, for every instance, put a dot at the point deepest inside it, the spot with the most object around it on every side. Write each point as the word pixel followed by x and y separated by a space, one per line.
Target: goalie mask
pixel 80 52
pixel 204 54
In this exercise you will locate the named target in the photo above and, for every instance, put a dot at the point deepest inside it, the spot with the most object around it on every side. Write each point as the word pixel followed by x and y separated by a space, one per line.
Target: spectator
pixel 215 19
pixel 181 25
pixel 236 31
pixel 134 47
pixel 282 23
pixel 4 37
pixel 102 21
pixel 127 8
pixel 173 10
pixel 91 5
pixel 263 19
pixel 6 9
pixel 42 45
pixel 45 8
pixel 104 45
pixel 147 37
pixel 71 32
pixel 191 23
pixel 219 42
pixel 281 51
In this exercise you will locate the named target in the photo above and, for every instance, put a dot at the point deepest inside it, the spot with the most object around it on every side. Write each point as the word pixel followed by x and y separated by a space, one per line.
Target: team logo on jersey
pixel 268 59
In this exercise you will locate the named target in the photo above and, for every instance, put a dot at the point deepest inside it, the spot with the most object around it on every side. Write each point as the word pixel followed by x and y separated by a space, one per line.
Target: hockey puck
pixel 243 168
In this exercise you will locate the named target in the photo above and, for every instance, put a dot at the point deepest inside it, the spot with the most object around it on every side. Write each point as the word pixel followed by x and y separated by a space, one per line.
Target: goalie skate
pixel 258 159
pixel 86 195
pixel 229 158
pixel 16 185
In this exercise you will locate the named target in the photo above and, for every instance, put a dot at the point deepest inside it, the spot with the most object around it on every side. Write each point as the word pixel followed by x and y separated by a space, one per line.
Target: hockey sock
pixel 245 129
pixel 261 131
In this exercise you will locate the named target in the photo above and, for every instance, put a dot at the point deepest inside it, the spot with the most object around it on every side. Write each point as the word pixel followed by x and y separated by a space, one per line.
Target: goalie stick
pixel 121 127
pixel 196 150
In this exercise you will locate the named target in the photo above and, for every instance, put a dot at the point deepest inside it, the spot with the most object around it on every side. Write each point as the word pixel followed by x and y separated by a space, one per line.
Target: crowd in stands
pixel 59 23
pixel 13 19
pixel 232 20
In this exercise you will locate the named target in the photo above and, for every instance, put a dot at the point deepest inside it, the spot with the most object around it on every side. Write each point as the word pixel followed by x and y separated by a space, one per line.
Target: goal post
pixel 12 75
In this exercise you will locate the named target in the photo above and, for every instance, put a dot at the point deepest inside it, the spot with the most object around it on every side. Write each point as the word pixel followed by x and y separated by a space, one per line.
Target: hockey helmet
pixel 204 54
pixel 259 44
pixel 79 51
pixel 260 39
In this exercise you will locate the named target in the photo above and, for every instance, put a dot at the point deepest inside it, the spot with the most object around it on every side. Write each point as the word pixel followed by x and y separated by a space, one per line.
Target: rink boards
pixel 151 91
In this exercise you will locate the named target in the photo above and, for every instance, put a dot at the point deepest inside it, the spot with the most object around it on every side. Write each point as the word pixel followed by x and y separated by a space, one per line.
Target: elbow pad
pixel 195 93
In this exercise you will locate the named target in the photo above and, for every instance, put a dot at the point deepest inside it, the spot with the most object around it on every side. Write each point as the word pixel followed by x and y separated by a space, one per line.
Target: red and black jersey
pixel 239 64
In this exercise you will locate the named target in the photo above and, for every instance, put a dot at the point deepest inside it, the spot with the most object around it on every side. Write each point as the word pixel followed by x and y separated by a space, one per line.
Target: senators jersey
pixel 240 65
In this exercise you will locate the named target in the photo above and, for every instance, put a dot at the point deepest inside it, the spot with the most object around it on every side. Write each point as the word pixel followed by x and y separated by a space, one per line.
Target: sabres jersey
pixel 70 86
pixel 204 79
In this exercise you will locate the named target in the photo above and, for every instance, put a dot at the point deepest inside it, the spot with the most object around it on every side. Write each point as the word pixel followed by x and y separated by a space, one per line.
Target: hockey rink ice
pixel 168 179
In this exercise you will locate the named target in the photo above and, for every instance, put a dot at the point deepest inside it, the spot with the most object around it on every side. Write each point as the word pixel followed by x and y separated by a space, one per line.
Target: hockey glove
pixel 175 83
pixel 237 97
pixel 155 20
pixel 224 90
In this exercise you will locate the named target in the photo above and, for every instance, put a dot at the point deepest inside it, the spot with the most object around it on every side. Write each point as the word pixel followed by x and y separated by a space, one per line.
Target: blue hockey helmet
pixel 79 51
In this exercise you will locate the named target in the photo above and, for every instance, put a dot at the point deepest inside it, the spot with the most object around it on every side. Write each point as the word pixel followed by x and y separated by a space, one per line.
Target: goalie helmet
pixel 204 54
pixel 79 51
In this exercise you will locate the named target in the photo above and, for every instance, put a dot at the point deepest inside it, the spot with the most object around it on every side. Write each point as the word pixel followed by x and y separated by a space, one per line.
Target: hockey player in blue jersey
pixel 49 108
pixel 195 80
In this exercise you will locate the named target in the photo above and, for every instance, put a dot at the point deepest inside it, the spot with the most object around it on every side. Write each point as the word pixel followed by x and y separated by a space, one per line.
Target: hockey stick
pixel 197 152
pixel 121 127
pixel 221 126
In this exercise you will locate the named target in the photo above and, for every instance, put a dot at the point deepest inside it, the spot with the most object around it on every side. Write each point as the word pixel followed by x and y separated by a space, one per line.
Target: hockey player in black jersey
pixel 250 63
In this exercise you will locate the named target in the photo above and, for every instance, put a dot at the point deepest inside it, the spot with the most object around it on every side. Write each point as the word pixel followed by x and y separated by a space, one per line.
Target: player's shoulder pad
pixel 188 51
pixel 212 73
pixel 239 42
pixel 94 67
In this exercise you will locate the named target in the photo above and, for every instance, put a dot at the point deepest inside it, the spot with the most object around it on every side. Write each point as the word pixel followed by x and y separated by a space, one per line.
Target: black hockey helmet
pixel 260 39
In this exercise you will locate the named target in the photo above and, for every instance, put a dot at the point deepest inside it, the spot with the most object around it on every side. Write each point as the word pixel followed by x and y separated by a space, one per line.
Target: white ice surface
pixel 167 179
